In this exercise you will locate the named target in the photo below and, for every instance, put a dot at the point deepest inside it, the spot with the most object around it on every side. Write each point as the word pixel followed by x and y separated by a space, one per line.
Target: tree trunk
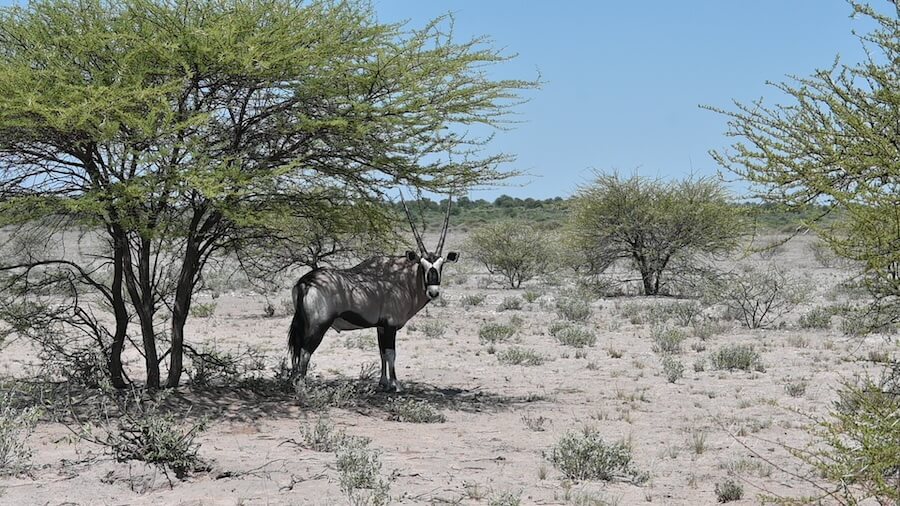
pixel 114 361
pixel 180 310
pixel 140 288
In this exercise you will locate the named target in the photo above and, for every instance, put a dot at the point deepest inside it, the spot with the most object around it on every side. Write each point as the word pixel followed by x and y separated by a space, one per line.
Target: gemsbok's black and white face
pixel 432 266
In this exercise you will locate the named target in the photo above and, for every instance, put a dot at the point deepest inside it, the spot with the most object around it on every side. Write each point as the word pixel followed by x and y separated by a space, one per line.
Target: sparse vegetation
pixel 434 329
pixel 16 425
pixel 472 300
pixel 584 455
pixel 728 491
pixel 493 333
pixel 360 473
pixel 667 340
pixel 818 318
pixel 673 368
pixel 758 296
pixel 573 309
pixel 737 356
pixel 413 411
pixel 520 356
pixel 510 304
pixel 573 335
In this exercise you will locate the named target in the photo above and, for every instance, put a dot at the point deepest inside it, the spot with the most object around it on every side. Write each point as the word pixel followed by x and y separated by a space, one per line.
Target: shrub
pixel 143 431
pixel 510 303
pixel 728 491
pixel 796 388
pixel 573 309
pixel 16 425
pixel 737 356
pixel 758 296
pixel 673 368
pixel 520 356
pixel 514 250
pixel 413 411
pixel 471 300
pixel 531 296
pixel 585 455
pixel 360 468
pixel 199 310
pixel 574 335
pixel 818 318
pixel 683 313
pixel 434 329
pixel 505 498
pixel 322 437
pixel 667 340
pixel 492 333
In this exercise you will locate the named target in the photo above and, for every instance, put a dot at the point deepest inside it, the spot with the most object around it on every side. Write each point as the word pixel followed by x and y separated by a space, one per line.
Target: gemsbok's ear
pixel 452 256
pixel 411 256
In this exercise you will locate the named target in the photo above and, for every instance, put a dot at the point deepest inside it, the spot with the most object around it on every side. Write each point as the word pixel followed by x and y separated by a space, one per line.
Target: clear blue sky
pixel 623 80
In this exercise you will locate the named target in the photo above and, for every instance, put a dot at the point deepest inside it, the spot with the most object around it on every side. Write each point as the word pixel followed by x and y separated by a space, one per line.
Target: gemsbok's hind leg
pixel 310 343
pixel 387 338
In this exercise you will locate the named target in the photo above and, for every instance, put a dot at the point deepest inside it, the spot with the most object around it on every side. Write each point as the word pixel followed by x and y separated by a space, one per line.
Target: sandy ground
pixel 744 420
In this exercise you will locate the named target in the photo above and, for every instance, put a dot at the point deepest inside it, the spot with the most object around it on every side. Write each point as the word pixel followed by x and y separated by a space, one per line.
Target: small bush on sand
pixel 510 304
pixel 584 455
pixel 667 340
pixel 413 411
pixel 673 368
pixel 16 425
pixel 492 333
pixel 520 356
pixel 574 335
pixel 818 318
pixel 573 309
pixel 737 356
pixel 728 491
pixel 472 300
pixel 434 329
pixel 360 473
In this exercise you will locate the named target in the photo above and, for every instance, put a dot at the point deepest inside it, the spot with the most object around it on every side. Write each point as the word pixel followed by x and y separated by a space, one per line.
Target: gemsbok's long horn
pixel 421 244
pixel 440 246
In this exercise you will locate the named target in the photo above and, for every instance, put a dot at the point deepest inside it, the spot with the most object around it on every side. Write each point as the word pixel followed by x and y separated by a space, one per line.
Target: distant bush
pixel 514 250
pixel 520 356
pixel 574 309
pixel 199 310
pixel 737 356
pixel 434 329
pixel 673 368
pixel 758 296
pixel 574 335
pixel 474 299
pixel 667 340
pixel 585 455
pixel 492 333
pixel 818 318
pixel 531 296
pixel 510 303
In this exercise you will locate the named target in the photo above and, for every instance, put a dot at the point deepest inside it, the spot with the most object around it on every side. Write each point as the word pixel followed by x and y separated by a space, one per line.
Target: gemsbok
pixel 382 292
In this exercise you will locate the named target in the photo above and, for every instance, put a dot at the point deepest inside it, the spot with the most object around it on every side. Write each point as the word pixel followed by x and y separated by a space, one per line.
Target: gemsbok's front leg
pixel 387 337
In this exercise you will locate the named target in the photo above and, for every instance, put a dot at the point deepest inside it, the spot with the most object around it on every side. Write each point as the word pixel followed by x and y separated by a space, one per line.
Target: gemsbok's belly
pixel 350 321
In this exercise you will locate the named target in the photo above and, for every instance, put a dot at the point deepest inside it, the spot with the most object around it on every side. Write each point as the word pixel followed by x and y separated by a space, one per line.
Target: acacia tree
pixel 178 129
pixel 513 249
pixel 650 223
pixel 836 143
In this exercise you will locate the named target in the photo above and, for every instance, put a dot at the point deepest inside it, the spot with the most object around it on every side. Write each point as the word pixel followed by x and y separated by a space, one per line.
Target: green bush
pixel 520 356
pixel 510 303
pixel 573 309
pixel 360 469
pixel 492 333
pixel 585 455
pixel 818 318
pixel 471 300
pixel 574 335
pixel 434 329
pixel 667 340
pixel 673 368
pixel 737 356
pixel 514 250
pixel 199 310
pixel 757 296
pixel 728 491
pixel 413 411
